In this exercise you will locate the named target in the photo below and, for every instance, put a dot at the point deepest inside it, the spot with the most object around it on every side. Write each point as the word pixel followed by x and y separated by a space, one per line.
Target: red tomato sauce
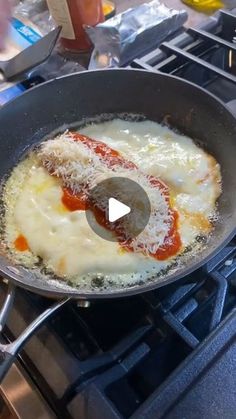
pixel 21 243
pixel 172 242
pixel 74 202
pixel 110 156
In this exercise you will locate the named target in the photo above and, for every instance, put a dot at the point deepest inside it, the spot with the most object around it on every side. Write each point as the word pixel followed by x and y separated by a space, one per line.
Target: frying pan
pixel 64 102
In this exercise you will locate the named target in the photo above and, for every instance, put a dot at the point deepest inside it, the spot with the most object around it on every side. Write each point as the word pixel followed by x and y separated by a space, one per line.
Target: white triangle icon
pixel 117 210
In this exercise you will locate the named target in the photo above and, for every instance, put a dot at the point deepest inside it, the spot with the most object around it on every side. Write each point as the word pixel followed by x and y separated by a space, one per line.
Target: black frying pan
pixel 67 100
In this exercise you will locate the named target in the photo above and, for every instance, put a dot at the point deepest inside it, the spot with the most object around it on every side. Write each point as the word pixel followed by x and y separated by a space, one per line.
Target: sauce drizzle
pixel 21 243
pixel 74 202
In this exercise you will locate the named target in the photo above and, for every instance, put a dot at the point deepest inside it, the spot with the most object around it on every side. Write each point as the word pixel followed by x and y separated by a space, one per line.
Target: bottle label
pixel 61 14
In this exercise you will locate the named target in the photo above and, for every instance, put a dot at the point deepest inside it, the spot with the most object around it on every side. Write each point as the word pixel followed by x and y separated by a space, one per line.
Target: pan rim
pixel 146 286
pixel 120 293
pixel 135 70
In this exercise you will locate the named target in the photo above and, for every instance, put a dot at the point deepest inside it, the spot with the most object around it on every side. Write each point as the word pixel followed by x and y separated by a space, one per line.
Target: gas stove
pixel 205 56
pixel 169 353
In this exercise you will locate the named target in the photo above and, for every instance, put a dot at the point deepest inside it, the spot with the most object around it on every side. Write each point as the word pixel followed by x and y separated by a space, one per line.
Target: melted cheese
pixel 159 151
pixel 192 175
pixel 64 240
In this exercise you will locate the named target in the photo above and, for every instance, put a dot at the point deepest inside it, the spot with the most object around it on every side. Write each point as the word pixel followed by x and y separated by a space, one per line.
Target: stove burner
pixel 210 49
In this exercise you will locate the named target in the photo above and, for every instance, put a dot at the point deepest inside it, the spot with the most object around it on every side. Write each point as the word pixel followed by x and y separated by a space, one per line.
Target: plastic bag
pixel 36 12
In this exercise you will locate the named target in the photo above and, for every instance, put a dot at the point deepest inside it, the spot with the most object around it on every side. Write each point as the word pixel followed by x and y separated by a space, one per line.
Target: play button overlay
pixel 121 208
pixel 117 210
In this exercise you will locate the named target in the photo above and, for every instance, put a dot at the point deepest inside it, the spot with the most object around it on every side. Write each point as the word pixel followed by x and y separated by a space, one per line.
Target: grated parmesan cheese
pixel 81 169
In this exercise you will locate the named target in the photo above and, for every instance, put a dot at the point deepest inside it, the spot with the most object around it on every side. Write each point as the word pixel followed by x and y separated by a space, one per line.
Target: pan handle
pixel 6 361
pixel 5 310
pixel 232 106
pixel 9 351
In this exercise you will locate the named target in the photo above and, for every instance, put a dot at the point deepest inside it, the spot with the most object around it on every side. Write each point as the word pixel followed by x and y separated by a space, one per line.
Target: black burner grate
pixel 120 353
pixel 211 49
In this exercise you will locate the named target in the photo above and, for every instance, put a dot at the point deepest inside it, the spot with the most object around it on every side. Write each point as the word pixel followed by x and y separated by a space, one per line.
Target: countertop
pixel 194 17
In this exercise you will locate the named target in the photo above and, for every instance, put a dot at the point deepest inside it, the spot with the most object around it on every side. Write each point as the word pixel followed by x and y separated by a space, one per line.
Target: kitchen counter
pixel 194 17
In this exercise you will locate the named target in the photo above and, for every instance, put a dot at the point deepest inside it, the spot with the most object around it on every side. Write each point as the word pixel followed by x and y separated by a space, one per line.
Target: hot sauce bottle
pixel 72 15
